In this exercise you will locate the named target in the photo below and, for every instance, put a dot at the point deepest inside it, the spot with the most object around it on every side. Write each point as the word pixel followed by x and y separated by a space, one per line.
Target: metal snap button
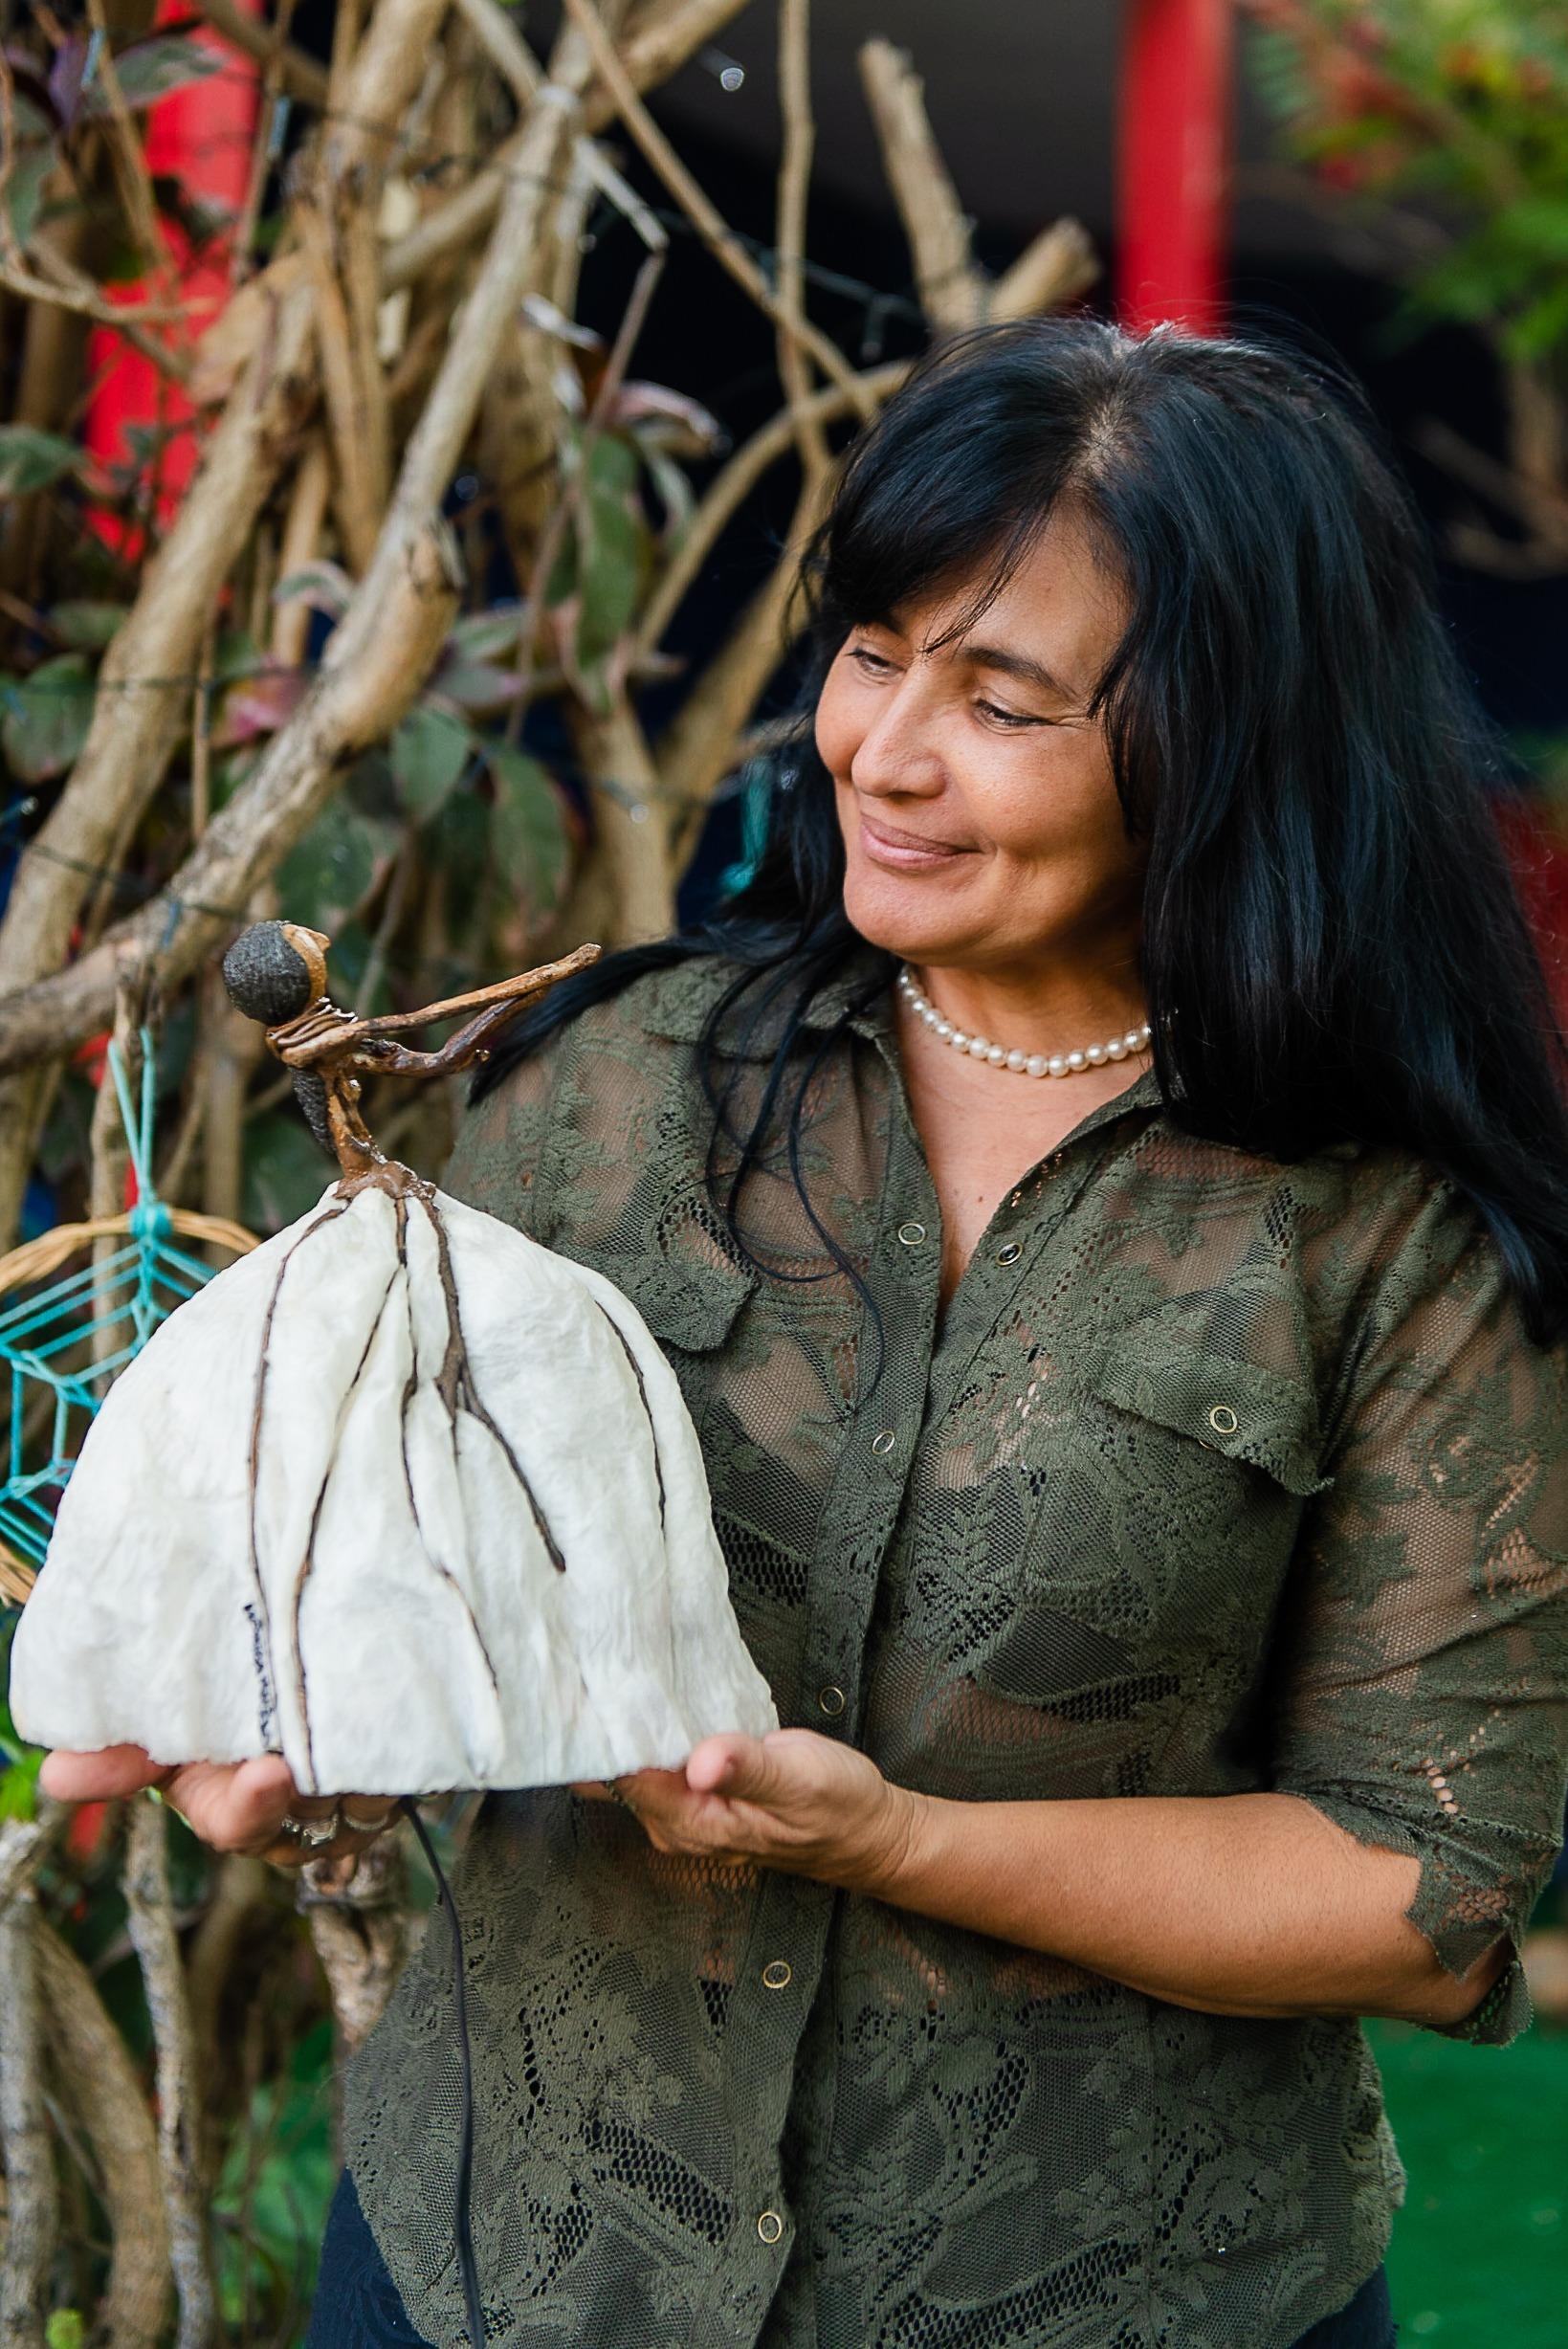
pixel 830 1700
pixel 1010 1253
pixel 911 1234
pixel 770 2226
pixel 885 1442
pixel 777 1973
pixel 1222 1419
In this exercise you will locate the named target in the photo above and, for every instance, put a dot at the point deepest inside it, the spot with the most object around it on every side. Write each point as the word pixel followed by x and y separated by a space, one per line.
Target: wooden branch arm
pixel 505 997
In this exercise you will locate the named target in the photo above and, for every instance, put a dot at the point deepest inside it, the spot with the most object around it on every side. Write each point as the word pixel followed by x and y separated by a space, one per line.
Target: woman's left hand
pixel 793 1800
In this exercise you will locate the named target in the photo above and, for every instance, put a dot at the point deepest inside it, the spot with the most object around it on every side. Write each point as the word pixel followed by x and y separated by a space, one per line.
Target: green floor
pixel 1480 2252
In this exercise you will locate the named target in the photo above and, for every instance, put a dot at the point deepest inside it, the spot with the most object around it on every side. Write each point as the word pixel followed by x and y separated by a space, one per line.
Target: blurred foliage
pixel 1460 106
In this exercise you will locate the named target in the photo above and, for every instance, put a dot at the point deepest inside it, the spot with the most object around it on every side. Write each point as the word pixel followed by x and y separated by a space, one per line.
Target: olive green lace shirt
pixel 1215 1475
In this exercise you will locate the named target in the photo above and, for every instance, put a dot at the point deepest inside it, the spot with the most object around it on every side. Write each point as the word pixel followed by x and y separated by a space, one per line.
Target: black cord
pixel 462 2213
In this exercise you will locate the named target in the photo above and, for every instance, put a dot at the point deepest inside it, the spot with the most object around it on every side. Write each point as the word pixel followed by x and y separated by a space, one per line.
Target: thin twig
pixel 735 482
pixel 726 247
pixel 790 233
pixel 130 163
pixel 201 739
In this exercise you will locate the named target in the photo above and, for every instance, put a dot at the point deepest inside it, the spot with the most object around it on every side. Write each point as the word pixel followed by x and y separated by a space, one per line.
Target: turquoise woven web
pixel 62 1345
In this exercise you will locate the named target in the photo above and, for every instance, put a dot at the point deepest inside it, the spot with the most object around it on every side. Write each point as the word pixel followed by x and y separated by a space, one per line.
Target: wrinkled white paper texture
pixel 383 1608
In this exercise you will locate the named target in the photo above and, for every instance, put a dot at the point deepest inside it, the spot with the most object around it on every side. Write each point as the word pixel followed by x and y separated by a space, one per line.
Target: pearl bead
pixel 1018 1062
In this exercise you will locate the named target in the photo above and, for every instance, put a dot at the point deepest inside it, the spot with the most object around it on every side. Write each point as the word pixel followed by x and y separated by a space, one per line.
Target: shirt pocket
pixel 1166 1503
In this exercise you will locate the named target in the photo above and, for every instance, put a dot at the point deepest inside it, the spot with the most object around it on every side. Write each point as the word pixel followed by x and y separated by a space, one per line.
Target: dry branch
pixel 629 823
pixel 355 1909
pixel 952 289
pixel 699 750
pixel 654 49
pixel 375 664
pixel 1054 267
pixel 735 482
pixel 137 723
pixel 151 1920
pixel 104 2097
pixel 31 2187
pixel 393 635
pixel 790 233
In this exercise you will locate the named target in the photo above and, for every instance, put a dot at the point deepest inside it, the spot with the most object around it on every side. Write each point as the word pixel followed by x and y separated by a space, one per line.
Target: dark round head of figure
pixel 274 970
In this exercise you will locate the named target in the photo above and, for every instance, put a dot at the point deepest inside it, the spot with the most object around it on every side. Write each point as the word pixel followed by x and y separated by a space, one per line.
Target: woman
pixel 1138 1442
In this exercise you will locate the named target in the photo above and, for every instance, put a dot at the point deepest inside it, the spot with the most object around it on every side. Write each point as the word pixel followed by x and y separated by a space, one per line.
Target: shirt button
pixel 1222 1419
pixel 776 1974
pixel 769 2225
pixel 885 1442
pixel 830 1700
pixel 911 1234
pixel 1010 1253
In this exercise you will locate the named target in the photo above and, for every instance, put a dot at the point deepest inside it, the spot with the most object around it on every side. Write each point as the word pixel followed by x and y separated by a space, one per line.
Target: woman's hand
pixel 793 1800
pixel 232 1805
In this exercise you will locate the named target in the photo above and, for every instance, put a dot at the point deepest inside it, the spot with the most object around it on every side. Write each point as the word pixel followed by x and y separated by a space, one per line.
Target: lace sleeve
pixel 1421 1700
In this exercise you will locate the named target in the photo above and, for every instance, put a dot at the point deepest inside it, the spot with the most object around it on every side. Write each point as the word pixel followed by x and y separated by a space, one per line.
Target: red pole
pixel 1173 162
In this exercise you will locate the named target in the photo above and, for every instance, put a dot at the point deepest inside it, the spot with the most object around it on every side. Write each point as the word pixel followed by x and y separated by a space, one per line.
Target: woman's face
pixel 980 824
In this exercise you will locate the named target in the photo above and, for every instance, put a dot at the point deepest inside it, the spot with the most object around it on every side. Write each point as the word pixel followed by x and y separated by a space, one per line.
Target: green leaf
pixel 65 2329
pixel 325 587
pixel 150 69
pixel 85 624
pixel 46 717
pixel 25 189
pixel 528 829
pixel 487 636
pixel 19 1782
pixel 330 872
pixel 612 544
pixel 286 1169
pixel 31 461
pixel 428 753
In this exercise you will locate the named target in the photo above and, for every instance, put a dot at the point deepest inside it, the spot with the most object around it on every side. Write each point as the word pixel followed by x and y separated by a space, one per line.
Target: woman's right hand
pixel 232 1805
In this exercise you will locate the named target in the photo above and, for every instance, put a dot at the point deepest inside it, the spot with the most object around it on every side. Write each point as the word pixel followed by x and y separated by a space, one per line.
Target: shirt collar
pixel 684 997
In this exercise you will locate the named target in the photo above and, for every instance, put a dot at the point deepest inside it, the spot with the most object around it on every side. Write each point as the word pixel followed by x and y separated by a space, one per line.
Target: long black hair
pixel 1333 947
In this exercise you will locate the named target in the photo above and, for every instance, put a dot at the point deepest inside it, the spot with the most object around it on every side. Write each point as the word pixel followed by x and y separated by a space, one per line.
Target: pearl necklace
pixel 1021 1064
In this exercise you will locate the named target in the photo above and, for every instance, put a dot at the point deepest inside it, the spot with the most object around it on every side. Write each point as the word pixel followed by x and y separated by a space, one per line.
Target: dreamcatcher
pixel 78 1313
